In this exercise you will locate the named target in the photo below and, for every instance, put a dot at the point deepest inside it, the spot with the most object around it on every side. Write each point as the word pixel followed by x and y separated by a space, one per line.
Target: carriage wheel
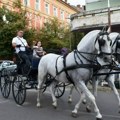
pixel 59 90
pixel 46 83
pixel 5 84
pixel 19 90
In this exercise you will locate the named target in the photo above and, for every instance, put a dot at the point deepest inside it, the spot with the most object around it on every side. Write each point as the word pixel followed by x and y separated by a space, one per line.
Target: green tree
pixel 54 34
pixel 76 37
pixel 15 20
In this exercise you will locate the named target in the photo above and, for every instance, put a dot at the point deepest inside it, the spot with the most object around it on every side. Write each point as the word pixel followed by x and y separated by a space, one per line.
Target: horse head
pixel 115 37
pixel 103 46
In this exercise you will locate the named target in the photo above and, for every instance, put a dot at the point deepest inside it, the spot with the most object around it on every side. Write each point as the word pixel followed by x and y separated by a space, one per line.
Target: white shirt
pixel 19 41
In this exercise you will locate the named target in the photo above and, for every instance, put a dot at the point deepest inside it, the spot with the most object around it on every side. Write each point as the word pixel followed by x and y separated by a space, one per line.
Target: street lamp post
pixel 109 16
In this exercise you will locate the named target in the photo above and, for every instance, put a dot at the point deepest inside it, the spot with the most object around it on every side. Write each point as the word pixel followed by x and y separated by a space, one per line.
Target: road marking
pixel 93 114
pixel 3 101
pixel 111 116
pixel 47 91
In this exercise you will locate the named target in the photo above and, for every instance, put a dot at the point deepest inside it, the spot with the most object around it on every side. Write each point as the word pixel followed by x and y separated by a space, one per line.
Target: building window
pixel 62 14
pixel 68 18
pixel 45 20
pixel 26 2
pixel 37 4
pixel 47 8
pixel 55 11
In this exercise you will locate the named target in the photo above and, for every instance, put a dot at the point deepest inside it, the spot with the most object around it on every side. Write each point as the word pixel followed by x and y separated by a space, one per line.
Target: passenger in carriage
pixel 38 51
pixel 20 45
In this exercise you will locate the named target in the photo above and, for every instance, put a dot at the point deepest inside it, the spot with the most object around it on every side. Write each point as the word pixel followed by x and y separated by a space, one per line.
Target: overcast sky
pixel 76 2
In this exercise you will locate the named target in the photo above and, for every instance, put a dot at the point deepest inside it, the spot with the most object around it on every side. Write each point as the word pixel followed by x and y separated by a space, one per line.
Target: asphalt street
pixel 106 101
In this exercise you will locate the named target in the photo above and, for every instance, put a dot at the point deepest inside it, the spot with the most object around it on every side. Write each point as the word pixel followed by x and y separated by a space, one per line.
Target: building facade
pixel 39 11
pixel 97 19
pixel 100 4
pixel 97 16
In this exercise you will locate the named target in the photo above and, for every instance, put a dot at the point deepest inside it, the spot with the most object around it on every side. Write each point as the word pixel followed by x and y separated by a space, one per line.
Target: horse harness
pixel 77 54
pixel 117 41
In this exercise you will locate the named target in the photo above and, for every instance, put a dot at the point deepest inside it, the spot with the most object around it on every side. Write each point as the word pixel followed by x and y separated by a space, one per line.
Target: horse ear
pixel 108 30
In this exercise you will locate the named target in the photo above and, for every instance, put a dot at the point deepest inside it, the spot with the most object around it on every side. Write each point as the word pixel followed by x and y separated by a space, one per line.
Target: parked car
pixel 7 64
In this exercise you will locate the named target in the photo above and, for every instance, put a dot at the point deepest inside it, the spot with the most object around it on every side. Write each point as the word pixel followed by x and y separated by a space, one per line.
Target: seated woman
pixel 38 52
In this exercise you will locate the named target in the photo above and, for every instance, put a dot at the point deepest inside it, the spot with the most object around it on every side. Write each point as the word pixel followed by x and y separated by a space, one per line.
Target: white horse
pixel 95 42
pixel 115 38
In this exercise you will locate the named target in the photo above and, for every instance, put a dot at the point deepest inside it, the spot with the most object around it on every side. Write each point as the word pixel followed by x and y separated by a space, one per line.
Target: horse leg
pixel 77 106
pixel 112 85
pixel 52 88
pixel 85 90
pixel 94 85
pixel 41 78
pixel 70 94
pixel 39 93
pixel 84 101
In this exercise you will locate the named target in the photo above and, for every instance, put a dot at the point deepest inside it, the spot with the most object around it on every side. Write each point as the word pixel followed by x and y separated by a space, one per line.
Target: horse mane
pixel 113 36
pixel 89 36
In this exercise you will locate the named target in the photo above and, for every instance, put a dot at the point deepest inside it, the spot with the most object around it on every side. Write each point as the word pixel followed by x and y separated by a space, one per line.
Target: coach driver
pixel 20 44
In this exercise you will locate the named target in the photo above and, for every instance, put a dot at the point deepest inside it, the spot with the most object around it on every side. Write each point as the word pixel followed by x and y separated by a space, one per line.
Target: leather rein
pixel 77 55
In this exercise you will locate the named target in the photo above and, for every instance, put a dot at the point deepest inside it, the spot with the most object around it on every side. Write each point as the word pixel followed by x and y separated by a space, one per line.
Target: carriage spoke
pixel 17 97
pixel 57 92
pixel 6 90
pixel 59 89
pixel 5 85
pixel 19 91
pixel 21 96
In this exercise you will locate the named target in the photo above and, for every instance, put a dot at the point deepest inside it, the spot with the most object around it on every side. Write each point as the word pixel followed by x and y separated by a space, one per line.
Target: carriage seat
pixel 20 62
pixel 35 63
pixel 17 59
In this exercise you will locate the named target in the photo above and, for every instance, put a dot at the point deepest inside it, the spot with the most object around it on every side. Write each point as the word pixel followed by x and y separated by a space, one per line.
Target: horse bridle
pixel 101 42
pixel 93 64
pixel 117 45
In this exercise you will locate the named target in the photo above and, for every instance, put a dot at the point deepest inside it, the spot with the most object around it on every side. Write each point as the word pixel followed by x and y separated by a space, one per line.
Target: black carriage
pixel 22 79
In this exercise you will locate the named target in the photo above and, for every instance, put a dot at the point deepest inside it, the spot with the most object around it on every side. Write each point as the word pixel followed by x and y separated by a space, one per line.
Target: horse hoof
pixel 98 118
pixel 84 102
pixel 88 109
pixel 55 106
pixel 75 115
pixel 69 101
pixel 38 105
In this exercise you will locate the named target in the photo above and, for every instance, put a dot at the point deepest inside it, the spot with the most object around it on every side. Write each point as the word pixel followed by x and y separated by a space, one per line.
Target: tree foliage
pixel 9 25
pixel 54 34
